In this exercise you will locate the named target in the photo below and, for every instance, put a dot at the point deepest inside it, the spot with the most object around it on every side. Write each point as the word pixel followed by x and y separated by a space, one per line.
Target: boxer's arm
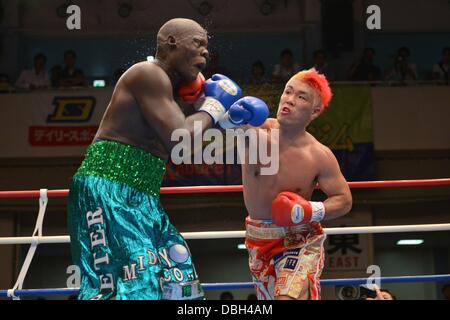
pixel 153 92
pixel 270 123
pixel 333 183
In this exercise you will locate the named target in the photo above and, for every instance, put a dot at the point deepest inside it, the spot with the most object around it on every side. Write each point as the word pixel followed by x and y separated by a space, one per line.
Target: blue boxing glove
pixel 220 93
pixel 248 110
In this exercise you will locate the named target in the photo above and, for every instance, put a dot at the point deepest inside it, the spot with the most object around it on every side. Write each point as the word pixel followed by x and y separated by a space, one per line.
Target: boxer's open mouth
pixel 285 110
pixel 200 66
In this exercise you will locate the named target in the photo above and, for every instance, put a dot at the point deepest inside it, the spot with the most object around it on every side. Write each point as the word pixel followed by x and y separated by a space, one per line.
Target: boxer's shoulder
pixel 323 154
pixel 148 76
pixel 318 148
pixel 149 70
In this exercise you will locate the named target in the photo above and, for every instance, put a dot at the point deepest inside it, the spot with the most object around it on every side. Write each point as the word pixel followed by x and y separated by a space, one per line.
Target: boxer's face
pixel 193 54
pixel 298 104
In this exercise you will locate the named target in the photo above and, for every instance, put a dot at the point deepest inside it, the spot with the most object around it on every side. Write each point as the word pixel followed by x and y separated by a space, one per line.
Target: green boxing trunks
pixel 121 237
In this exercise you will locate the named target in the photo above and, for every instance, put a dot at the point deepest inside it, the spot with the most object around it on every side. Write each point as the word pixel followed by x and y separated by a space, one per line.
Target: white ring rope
pixel 241 234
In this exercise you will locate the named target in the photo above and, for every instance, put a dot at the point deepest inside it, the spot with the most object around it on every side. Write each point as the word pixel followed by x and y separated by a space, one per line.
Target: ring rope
pixel 241 234
pixel 238 188
pixel 249 285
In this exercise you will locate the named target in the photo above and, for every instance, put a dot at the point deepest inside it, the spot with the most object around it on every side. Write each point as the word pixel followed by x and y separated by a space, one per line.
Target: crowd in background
pixel 402 71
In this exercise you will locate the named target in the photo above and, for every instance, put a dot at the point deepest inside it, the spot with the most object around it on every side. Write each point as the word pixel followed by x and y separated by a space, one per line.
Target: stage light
pixel 125 10
pixel 205 8
pixel 266 8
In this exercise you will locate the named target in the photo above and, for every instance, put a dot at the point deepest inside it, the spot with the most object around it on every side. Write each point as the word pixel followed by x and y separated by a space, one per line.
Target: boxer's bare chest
pixel 297 172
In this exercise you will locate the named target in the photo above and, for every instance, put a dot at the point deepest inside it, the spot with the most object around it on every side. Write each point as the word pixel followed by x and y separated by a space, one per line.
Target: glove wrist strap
pixel 214 108
pixel 318 211
pixel 228 123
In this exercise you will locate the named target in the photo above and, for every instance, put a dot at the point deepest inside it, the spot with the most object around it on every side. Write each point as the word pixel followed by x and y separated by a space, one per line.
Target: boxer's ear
pixel 171 41
pixel 317 110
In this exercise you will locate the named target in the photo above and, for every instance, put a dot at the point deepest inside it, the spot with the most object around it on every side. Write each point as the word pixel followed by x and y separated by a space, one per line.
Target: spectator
pixel 322 66
pixel 287 67
pixel 226 295
pixel 446 291
pixel 214 66
pixel 55 75
pixel 403 70
pixel 257 76
pixel 441 69
pixel 35 78
pixel 71 76
pixel 5 85
pixel 365 70
pixel 383 294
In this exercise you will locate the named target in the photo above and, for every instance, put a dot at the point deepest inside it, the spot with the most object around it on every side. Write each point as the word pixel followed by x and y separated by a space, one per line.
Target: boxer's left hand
pixel 248 110
pixel 289 209
pixel 220 93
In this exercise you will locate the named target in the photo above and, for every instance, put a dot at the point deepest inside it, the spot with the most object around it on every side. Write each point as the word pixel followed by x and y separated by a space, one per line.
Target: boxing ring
pixel 38 238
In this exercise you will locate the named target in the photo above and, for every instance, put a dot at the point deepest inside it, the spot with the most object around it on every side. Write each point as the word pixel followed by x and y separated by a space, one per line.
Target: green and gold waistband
pixel 124 164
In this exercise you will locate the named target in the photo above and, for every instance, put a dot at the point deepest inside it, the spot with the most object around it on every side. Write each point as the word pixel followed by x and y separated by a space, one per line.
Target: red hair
pixel 318 82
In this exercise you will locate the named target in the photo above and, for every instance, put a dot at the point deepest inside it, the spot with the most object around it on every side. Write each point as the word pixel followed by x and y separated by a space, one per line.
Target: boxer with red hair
pixel 284 236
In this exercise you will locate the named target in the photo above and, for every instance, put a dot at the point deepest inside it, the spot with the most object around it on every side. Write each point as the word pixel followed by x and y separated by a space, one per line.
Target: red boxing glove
pixel 191 91
pixel 290 209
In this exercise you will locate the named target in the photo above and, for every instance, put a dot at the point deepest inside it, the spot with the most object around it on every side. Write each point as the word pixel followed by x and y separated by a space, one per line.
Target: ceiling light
pixel 409 242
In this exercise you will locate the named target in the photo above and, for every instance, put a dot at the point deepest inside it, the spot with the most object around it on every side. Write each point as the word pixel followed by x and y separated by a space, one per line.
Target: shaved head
pixel 177 29
pixel 182 47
